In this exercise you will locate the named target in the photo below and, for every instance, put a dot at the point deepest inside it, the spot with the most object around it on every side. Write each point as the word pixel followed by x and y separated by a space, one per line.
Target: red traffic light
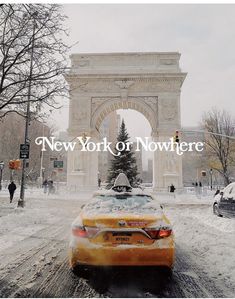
pixel 11 164
pixel 14 164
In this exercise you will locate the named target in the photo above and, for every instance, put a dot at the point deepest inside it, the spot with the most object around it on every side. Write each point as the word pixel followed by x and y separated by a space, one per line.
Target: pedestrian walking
pixel 11 188
pixel 51 188
pixel 172 188
pixel 45 186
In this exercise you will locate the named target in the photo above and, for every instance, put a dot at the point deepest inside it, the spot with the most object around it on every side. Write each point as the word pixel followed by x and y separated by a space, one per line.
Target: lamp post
pixel 21 201
pixel 1 169
pixel 41 177
pixel 211 172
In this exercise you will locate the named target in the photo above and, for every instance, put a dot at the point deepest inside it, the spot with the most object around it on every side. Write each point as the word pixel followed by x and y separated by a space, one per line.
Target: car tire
pixel 166 272
pixel 79 271
pixel 216 210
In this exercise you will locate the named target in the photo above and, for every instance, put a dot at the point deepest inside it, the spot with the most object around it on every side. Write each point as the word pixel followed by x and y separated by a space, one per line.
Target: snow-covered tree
pixel 126 161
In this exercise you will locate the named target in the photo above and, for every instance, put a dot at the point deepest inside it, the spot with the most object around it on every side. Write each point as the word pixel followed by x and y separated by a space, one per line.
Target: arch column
pixel 83 168
pixel 167 165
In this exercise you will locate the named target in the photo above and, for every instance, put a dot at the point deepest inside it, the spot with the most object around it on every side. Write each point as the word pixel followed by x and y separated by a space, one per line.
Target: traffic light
pixel 11 164
pixel 177 140
pixel 17 164
pixel 14 164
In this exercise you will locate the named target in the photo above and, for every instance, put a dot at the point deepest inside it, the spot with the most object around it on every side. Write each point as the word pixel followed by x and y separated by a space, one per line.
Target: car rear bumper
pixel 160 253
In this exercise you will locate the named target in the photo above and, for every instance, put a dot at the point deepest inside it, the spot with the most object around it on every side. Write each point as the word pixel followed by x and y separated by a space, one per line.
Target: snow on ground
pixel 40 211
pixel 16 224
pixel 209 239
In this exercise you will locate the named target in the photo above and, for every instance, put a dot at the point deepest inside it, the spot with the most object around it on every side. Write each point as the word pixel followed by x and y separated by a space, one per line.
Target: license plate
pixel 126 238
pixel 123 239
pixel 118 238
pixel 122 234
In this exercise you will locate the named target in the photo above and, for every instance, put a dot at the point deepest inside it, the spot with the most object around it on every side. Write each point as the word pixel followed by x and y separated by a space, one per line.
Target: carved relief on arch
pixel 168 110
pixel 96 102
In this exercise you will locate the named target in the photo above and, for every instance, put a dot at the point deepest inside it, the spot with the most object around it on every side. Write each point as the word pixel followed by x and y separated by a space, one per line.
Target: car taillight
pixel 84 231
pixel 158 233
pixel 163 233
pixel 80 231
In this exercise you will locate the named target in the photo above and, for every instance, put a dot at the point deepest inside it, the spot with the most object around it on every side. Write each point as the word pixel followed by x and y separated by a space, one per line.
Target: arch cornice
pixel 97 84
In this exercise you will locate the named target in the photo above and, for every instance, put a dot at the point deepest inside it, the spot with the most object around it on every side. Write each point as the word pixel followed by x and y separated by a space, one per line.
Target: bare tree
pixel 220 149
pixel 23 27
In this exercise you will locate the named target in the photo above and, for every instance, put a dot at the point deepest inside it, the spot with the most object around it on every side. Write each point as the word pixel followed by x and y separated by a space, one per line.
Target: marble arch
pixel 147 82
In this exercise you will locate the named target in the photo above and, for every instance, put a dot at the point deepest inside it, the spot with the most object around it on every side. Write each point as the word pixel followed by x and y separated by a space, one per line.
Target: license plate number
pixel 122 239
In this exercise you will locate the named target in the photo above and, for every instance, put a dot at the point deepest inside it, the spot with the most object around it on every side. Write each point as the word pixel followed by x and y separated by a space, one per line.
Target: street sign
pixel 58 164
pixel 24 151
pixel 1 165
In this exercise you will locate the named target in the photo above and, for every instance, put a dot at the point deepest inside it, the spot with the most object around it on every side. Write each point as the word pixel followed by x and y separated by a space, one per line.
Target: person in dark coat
pixel 11 188
pixel 45 186
pixel 172 188
pixel 51 188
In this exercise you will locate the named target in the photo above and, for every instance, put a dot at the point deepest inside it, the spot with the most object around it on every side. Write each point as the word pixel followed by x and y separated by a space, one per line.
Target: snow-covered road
pixel 34 241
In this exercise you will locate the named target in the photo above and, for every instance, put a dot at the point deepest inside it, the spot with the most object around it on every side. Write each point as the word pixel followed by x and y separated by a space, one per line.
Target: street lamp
pixel 1 169
pixel 41 176
pixel 211 172
pixel 21 202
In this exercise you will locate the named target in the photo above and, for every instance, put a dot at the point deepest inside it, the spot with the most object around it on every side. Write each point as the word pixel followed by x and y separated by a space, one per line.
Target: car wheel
pixel 168 272
pixel 165 272
pixel 79 270
pixel 216 210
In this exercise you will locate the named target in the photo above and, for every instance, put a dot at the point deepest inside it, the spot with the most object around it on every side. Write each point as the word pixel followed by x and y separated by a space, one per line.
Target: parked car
pixel 123 226
pixel 224 203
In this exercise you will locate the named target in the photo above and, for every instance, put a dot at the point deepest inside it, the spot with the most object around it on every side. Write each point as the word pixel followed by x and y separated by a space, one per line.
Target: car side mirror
pixel 161 207
pixel 221 193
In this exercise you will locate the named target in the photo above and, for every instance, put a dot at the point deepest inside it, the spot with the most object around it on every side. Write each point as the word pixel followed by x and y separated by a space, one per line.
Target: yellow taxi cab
pixel 123 226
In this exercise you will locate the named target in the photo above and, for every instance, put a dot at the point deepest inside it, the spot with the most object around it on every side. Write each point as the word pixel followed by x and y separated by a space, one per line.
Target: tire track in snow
pixel 27 245
pixel 21 269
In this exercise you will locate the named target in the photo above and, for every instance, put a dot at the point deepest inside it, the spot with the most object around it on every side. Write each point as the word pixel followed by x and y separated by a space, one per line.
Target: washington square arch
pixel 146 82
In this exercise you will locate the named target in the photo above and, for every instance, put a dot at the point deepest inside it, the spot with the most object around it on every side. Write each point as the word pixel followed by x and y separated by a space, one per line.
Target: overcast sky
pixel 203 34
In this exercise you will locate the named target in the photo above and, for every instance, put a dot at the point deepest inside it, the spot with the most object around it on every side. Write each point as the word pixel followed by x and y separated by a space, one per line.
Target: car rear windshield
pixel 123 202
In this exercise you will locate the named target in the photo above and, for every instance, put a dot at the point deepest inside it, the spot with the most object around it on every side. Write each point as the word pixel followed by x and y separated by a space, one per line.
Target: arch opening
pixel 115 104
pixel 137 125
